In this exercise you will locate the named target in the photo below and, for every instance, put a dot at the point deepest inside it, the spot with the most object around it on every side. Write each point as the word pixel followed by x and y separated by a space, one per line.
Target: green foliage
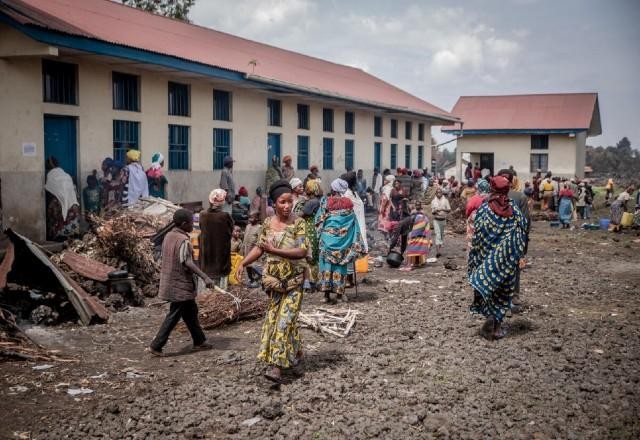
pixel 178 9
pixel 621 161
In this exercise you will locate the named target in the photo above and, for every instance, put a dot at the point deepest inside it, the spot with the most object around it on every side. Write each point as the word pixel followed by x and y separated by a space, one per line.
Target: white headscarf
pixel 156 160
pixel 340 186
pixel 388 186
pixel 60 185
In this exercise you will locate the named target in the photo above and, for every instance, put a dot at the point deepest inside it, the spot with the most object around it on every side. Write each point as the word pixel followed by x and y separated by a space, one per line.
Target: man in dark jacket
pixel 178 286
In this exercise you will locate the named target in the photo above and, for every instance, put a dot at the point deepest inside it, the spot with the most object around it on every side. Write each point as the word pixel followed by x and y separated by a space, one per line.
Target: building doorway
pixel 273 147
pixel 60 141
pixel 486 161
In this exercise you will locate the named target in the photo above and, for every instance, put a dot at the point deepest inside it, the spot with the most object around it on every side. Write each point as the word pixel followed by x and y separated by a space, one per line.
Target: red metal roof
pixel 558 111
pixel 114 23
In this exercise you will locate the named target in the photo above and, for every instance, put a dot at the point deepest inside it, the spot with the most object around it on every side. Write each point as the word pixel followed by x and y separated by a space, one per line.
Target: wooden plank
pixel 87 267
pixel 7 263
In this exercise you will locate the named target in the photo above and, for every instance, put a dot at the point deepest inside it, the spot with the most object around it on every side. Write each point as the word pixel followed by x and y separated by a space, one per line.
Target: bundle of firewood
pixel 335 322
pixel 218 308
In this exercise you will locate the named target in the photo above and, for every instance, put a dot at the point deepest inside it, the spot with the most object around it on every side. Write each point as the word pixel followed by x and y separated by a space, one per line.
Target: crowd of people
pixel 297 238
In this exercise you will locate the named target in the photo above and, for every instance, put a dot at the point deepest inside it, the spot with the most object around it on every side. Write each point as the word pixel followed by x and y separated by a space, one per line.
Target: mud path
pixel 417 366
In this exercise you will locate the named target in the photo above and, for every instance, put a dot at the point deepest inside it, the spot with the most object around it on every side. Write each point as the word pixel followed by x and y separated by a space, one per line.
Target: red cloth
pixel 243 192
pixel 474 203
pixel 566 192
pixel 477 173
pixel 499 197
pixel 338 203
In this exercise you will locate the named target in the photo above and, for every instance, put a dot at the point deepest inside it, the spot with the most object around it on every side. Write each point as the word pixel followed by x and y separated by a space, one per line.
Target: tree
pixel 178 9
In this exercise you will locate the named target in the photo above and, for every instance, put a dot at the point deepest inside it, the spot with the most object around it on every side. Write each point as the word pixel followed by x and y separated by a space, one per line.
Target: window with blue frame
pixel 59 82
pixel 408 128
pixel 407 156
pixel 178 99
pixel 349 154
pixel 377 155
pixel 349 122
pixel 420 132
pixel 126 94
pixel 377 126
pixel 327 153
pixel 421 157
pixel 221 105
pixel 394 156
pixel 303 152
pixel 274 112
pixel 178 147
pixel 327 120
pixel 126 136
pixel 303 117
pixel 539 141
pixel 394 128
pixel 221 146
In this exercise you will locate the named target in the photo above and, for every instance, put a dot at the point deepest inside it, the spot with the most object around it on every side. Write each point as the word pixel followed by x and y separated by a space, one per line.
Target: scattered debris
pixel 403 281
pixel 330 321
pixel 42 367
pixel 217 309
pixel 15 344
pixel 252 421
pixel 18 389
pixel 79 391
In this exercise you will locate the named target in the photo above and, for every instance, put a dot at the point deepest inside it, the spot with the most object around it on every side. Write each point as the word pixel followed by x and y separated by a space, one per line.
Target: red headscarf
pixel 499 198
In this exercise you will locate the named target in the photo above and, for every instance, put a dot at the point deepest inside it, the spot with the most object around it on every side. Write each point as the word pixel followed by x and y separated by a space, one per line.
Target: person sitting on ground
pixel 496 252
pixel 92 195
pixel 243 198
pixel 63 209
pixel 216 227
pixel 418 239
pixel 177 284
pixel 619 207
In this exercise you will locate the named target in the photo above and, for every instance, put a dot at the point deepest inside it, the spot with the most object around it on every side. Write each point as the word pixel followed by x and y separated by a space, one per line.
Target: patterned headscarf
pixel 312 188
pixel 499 198
pixel 217 197
pixel 156 160
pixel 483 186
pixel 340 186
pixel 294 182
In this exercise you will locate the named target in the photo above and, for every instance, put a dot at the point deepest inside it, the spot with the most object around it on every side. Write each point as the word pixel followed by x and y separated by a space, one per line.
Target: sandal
pixel 271 375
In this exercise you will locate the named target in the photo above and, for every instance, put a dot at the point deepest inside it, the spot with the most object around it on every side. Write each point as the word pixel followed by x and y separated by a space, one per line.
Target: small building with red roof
pixel 85 80
pixel 545 132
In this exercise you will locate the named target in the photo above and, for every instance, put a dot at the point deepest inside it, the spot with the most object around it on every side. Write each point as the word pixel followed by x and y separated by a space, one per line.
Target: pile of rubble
pixel 112 267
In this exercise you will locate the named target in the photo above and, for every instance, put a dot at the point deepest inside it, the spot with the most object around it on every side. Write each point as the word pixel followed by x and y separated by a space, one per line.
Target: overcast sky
pixel 439 50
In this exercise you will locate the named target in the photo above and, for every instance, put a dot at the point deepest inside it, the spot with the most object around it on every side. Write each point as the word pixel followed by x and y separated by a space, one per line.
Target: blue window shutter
pixel 221 105
pixel 377 126
pixel 327 120
pixel 421 157
pixel 221 146
pixel 349 154
pixel 394 156
pixel 126 136
pixel 303 152
pixel 59 82
pixel 178 99
pixel 394 128
pixel 178 147
pixel 126 94
pixel 377 155
pixel 327 153
pixel 303 116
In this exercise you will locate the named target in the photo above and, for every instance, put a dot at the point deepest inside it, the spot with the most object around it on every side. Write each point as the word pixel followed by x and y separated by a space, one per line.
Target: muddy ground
pixel 416 366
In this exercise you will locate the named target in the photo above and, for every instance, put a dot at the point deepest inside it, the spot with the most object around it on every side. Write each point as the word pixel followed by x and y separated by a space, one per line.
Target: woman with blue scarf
pixel 496 252
pixel 340 241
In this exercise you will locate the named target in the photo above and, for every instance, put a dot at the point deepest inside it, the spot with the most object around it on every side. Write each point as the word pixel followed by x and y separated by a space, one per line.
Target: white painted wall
pixel 566 154
pixel 21 120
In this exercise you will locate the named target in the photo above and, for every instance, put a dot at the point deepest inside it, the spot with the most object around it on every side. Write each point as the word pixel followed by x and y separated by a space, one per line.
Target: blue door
pixel 60 141
pixel 273 147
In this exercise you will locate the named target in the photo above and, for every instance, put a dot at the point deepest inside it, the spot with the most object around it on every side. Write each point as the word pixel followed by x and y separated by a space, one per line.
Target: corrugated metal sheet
pixel 528 112
pixel 112 22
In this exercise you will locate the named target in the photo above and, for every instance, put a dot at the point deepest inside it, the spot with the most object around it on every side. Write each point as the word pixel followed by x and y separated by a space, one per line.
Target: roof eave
pixel 459 132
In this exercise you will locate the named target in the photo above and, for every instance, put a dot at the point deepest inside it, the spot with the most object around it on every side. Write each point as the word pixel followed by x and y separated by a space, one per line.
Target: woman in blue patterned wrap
pixel 497 249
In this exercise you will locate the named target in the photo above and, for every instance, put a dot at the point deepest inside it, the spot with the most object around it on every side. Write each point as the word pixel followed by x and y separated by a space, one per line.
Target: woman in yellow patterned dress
pixel 284 241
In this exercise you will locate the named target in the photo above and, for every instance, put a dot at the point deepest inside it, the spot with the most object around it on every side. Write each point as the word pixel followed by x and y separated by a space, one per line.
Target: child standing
pixel 178 284
pixel 92 195
pixel 251 234
pixel 236 240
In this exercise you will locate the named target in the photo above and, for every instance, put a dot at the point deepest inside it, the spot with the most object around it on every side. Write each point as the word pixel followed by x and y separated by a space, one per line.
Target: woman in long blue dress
pixel 340 242
pixel 565 207
pixel 496 252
